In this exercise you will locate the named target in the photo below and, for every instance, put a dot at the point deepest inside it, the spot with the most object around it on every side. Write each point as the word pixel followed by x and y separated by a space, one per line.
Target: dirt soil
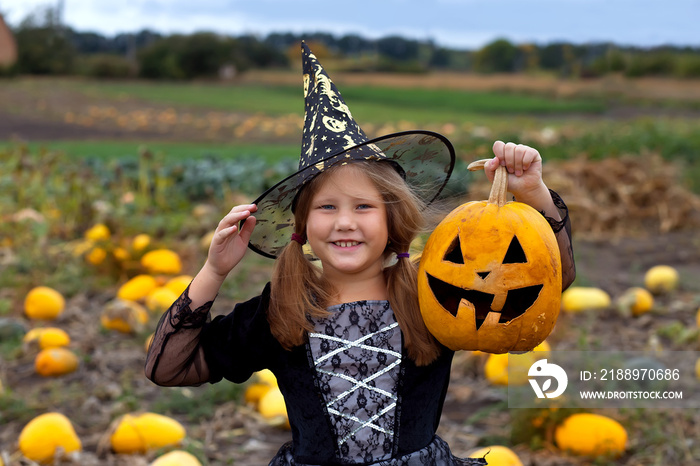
pixel 36 112
pixel 26 128
pixel 612 252
pixel 110 381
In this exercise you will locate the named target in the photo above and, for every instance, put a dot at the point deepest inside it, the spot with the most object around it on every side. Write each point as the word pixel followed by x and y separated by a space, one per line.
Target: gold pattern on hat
pixel 350 142
pixel 306 85
pixel 335 125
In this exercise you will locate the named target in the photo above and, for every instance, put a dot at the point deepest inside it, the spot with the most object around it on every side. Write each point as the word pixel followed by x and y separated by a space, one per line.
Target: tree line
pixel 47 47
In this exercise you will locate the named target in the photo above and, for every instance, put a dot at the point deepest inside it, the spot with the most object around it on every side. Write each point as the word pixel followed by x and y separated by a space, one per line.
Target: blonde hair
pixel 299 290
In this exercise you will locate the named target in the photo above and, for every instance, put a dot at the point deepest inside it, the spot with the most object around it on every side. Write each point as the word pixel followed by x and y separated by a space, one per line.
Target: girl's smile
pixel 346 244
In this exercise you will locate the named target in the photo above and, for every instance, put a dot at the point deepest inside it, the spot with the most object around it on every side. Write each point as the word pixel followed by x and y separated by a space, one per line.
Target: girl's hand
pixel 228 244
pixel 524 165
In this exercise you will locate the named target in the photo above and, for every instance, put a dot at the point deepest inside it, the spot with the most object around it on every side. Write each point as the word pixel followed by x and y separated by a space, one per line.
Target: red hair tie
pixel 298 238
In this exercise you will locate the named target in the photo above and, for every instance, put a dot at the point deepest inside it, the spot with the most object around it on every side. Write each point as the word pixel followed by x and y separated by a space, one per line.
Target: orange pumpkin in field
pixel 490 275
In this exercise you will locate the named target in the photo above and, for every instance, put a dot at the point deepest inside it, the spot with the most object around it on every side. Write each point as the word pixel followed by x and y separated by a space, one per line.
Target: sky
pixel 465 24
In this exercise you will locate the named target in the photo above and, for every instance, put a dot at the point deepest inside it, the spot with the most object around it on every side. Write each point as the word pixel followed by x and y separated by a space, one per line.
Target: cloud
pixel 454 23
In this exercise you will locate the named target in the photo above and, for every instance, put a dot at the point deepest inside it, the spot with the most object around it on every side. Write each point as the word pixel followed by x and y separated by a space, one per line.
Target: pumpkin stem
pixel 499 188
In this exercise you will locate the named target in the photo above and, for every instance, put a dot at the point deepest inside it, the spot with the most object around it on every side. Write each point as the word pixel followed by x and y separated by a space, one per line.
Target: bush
pixel 688 66
pixel 497 57
pixel 44 50
pixel 8 71
pixel 652 64
pixel 105 66
pixel 186 57
pixel 612 62
pixel 160 61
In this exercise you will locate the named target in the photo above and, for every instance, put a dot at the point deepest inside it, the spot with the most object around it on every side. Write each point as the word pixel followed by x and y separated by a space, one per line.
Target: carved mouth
pixel 518 300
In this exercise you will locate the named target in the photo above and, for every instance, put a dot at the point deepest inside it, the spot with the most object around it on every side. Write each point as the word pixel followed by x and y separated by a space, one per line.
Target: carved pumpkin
pixel 490 275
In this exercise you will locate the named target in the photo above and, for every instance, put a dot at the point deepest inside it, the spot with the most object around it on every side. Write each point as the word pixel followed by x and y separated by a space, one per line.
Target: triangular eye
pixel 515 253
pixel 454 252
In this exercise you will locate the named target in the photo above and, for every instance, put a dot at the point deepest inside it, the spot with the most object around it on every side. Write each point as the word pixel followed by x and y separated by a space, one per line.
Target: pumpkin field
pixel 110 190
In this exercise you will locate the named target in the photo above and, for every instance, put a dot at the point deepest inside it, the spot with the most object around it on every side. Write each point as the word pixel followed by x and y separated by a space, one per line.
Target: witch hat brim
pixel 330 136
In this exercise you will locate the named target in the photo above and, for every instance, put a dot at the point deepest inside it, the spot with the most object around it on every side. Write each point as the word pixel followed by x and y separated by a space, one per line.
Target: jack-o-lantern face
pixel 490 278
pixel 517 300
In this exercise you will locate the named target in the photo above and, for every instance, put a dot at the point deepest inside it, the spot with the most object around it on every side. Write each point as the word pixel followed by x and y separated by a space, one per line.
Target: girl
pixel 363 380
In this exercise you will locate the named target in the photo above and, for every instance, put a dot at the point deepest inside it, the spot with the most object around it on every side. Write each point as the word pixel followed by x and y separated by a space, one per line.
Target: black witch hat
pixel 424 159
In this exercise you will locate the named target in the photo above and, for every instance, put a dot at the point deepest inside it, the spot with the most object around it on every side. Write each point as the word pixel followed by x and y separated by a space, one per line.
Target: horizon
pixel 455 24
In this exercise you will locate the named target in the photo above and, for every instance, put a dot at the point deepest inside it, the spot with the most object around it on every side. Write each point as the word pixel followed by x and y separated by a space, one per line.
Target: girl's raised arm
pixel 175 356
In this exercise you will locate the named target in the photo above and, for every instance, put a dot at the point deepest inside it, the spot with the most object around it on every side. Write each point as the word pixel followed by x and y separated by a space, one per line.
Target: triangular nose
pixel 483 275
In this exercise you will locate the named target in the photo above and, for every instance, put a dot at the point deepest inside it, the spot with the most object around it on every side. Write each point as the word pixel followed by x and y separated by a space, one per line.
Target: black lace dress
pixel 353 396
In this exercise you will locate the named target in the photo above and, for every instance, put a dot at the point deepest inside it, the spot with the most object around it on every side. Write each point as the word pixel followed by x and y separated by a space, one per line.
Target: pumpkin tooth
pixel 518 301
pixel 449 297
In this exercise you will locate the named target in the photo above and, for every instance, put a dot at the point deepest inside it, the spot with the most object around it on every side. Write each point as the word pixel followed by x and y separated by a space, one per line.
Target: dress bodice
pixel 356 352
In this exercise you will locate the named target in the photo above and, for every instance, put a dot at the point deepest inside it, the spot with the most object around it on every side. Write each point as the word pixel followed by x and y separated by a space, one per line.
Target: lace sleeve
pixel 175 356
pixel 562 231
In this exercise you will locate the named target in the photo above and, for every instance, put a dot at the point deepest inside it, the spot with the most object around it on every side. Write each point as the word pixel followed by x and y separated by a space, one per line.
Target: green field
pixel 471 119
pixel 582 127
pixel 369 104
pixel 172 151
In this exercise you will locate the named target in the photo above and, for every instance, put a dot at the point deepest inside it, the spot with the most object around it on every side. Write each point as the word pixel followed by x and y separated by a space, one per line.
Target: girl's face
pixel 347 225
